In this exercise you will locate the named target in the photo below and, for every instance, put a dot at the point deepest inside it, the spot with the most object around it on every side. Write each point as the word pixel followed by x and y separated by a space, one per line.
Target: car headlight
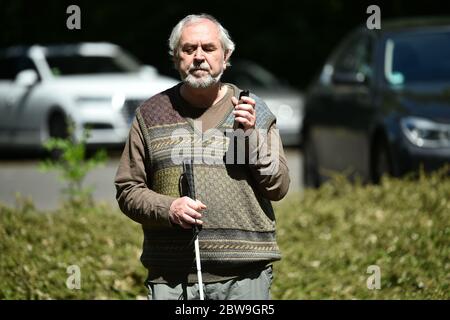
pixel 116 101
pixel 284 111
pixel 426 133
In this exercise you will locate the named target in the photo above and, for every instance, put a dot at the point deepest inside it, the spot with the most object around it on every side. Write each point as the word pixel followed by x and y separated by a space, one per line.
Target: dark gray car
pixel 381 103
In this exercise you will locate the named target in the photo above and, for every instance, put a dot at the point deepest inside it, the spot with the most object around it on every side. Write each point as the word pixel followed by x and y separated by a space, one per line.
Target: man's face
pixel 201 59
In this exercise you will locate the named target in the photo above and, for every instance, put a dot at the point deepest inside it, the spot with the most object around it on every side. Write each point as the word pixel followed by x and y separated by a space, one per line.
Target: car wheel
pixel 58 128
pixel 382 163
pixel 311 177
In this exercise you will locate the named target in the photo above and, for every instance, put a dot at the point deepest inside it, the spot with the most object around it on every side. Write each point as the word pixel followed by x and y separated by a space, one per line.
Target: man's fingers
pixel 244 107
pixel 190 220
pixel 248 100
pixel 196 204
pixel 244 121
pixel 193 213
pixel 200 204
pixel 243 114
pixel 244 100
pixel 186 212
pixel 186 221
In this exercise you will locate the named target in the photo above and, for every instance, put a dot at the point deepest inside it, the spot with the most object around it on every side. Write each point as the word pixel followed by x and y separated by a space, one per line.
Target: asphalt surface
pixel 20 177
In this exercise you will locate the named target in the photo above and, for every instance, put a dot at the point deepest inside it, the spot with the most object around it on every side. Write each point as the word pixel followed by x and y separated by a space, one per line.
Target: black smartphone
pixel 244 93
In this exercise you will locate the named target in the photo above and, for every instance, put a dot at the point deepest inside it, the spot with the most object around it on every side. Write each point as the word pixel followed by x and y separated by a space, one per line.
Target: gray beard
pixel 203 82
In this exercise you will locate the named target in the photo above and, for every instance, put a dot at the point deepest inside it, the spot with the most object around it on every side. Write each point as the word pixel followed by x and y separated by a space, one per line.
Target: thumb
pixel 234 100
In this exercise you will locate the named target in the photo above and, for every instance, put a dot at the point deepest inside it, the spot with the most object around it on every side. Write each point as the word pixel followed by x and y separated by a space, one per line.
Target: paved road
pixel 22 176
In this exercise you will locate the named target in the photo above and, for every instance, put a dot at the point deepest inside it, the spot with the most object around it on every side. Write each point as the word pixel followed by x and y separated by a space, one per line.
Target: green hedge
pixel 328 237
pixel 331 236
pixel 37 248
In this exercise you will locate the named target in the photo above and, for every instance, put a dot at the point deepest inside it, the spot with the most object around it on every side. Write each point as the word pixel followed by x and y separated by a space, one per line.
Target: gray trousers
pixel 254 286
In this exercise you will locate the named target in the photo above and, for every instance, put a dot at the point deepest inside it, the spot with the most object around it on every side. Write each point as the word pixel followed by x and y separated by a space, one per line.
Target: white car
pixel 98 85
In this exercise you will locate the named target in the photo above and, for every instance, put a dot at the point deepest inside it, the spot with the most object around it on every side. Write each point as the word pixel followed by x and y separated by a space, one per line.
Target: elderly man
pixel 237 238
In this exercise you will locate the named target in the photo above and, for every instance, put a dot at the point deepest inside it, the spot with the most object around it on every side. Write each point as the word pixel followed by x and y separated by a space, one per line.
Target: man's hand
pixel 244 112
pixel 184 212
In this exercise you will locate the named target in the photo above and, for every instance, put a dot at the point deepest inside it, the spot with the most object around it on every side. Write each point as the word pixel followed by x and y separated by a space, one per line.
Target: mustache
pixel 203 66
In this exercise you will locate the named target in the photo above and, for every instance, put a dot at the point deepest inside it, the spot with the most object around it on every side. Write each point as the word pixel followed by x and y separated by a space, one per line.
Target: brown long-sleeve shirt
pixel 145 206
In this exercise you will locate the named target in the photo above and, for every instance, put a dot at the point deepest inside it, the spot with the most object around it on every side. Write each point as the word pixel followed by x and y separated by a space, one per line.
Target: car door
pixel 12 96
pixel 341 138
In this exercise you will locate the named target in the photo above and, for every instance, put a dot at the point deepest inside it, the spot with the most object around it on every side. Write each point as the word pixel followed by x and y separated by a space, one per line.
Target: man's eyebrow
pixel 189 44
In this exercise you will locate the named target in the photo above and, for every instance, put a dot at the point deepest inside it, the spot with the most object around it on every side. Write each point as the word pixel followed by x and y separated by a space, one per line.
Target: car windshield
pixel 418 57
pixel 61 65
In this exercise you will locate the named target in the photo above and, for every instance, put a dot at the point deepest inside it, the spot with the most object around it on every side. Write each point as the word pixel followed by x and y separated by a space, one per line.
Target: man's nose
pixel 199 54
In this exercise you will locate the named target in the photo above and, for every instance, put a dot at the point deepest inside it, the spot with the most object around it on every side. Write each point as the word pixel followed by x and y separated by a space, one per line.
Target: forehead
pixel 204 31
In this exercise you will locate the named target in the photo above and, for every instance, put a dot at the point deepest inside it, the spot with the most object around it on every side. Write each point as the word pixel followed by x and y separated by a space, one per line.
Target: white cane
pixel 199 268
pixel 189 175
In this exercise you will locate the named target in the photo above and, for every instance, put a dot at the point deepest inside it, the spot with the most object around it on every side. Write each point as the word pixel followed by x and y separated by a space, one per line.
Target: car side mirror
pixel 349 78
pixel 27 78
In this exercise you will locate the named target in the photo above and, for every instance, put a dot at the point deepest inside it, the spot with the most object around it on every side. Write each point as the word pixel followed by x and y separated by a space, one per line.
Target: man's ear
pixel 226 58
pixel 175 61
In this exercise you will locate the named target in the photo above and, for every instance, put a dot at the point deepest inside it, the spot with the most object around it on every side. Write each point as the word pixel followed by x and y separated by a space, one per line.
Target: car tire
pixel 381 161
pixel 57 128
pixel 311 176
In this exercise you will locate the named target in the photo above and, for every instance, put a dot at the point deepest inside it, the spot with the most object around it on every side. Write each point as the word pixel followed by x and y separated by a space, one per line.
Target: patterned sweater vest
pixel 238 224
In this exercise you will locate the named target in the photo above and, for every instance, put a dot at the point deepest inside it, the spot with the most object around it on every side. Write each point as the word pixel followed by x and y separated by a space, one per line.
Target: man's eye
pixel 189 50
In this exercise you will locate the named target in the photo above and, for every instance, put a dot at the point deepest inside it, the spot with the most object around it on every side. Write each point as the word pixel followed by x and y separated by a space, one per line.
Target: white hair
pixel 174 39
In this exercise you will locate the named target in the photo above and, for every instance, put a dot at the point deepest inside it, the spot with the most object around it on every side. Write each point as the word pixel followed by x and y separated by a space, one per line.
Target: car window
pixel 11 66
pixel 356 57
pixel 418 57
pixel 246 74
pixel 81 64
